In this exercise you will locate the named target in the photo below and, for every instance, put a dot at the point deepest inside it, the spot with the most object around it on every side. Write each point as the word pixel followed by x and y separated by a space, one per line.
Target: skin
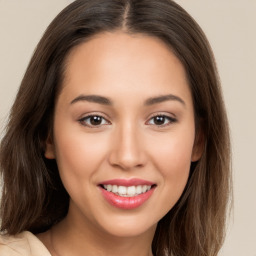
pixel 128 143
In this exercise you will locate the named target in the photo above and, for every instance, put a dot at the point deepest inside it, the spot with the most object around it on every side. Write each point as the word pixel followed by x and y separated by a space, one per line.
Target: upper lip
pixel 127 182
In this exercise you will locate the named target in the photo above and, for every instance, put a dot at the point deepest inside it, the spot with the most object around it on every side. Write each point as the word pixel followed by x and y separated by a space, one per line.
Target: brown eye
pixel 93 120
pixel 161 120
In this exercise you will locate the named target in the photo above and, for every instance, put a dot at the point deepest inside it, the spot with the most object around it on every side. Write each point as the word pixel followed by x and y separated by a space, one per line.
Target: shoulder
pixel 23 244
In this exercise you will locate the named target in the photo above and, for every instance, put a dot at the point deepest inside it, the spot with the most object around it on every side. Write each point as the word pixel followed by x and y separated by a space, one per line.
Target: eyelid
pixel 170 117
pixel 88 115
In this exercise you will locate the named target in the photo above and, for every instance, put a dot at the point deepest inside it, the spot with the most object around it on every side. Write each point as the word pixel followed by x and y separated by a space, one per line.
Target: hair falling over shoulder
pixel 33 196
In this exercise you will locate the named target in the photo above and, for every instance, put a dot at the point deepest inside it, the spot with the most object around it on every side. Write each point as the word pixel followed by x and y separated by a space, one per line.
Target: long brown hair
pixel 33 196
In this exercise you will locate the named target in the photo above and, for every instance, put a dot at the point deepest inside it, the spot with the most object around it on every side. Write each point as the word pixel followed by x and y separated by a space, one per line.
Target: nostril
pixel 126 162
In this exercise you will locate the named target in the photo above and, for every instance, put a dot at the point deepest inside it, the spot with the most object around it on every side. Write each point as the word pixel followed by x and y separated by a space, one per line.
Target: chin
pixel 129 226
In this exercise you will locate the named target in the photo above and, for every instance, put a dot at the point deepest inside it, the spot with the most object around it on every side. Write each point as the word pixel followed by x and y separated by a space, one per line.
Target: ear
pixel 199 145
pixel 49 152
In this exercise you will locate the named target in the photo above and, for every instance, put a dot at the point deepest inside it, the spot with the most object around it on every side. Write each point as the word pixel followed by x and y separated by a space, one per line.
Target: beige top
pixel 23 244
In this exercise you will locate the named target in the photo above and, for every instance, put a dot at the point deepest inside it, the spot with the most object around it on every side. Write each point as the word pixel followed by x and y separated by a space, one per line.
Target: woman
pixel 118 139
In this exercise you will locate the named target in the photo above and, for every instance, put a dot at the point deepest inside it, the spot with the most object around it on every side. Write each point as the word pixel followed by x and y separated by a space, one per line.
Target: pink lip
pixel 127 183
pixel 126 202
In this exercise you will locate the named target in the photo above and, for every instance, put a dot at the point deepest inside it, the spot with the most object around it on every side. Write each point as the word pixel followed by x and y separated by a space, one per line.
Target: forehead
pixel 121 62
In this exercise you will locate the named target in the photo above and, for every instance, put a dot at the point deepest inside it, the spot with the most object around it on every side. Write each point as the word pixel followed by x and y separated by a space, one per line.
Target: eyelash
pixel 167 118
pixel 83 120
pixel 170 120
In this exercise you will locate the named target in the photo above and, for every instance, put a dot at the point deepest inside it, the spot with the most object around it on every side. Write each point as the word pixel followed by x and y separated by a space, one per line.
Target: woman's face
pixel 124 133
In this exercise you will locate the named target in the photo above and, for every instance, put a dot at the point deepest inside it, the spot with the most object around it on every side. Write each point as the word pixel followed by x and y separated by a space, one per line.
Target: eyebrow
pixel 163 98
pixel 106 101
pixel 93 98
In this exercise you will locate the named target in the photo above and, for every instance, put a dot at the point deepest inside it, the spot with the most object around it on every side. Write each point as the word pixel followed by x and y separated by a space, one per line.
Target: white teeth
pixel 114 189
pixel 144 188
pixel 122 190
pixel 127 191
pixel 138 190
pixel 131 191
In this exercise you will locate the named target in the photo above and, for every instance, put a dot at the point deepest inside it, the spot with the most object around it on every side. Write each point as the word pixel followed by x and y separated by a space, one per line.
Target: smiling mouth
pixel 127 194
pixel 130 191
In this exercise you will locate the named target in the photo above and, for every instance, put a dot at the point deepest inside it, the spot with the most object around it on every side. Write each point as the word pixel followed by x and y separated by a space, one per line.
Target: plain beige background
pixel 231 29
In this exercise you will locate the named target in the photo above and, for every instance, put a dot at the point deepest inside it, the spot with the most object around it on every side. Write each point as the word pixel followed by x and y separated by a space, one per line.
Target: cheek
pixel 174 164
pixel 172 158
pixel 173 152
pixel 175 158
pixel 78 154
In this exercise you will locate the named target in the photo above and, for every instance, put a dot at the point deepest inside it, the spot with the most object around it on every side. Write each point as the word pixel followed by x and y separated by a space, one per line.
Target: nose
pixel 127 151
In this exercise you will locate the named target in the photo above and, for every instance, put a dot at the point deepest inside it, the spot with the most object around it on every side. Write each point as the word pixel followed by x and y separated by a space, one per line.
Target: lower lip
pixel 126 203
